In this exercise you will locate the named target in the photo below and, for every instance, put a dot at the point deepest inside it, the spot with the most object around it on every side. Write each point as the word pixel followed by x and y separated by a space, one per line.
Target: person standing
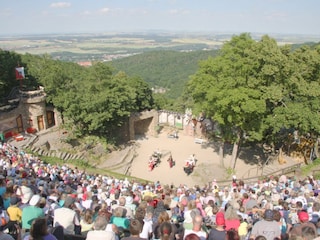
pixel 170 161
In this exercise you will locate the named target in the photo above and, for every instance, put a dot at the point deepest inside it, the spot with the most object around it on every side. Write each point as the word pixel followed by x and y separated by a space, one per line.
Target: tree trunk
pixel 316 147
pixel 235 152
pixel 221 153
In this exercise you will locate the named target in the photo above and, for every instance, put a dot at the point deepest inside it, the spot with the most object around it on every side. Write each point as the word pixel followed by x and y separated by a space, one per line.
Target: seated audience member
pixel 232 234
pixel 196 228
pixel 135 229
pixel 266 227
pixel 86 221
pixel 119 219
pixel 192 236
pixel 304 222
pixel 67 217
pixel 39 230
pixel 165 230
pixel 31 212
pixel 99 231
pixel 218 232
pixel 232 220
pixel 15 214
pixel 308 233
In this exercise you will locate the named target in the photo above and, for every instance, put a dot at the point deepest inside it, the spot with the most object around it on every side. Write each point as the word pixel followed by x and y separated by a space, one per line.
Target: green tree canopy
pixel 8 62
pixel 95 100
pixel 255 89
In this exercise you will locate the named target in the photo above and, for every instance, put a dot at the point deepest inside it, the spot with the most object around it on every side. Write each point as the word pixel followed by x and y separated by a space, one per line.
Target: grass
pixel 310 168
pixel 229 172
pixel 87 167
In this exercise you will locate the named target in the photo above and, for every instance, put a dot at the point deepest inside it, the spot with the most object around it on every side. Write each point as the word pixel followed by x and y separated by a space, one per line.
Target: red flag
pixel 20 73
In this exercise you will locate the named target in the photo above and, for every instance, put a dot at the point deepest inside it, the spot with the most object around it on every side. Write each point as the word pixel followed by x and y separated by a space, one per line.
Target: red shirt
pixel 232 223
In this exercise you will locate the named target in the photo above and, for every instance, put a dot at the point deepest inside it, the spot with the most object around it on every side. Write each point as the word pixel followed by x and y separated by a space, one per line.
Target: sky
pixel 105 16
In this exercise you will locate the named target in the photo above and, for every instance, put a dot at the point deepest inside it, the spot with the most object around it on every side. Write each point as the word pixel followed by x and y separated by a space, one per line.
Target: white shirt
pixel 67 218
pixel 201 234
pixel 100 235
pixel 147 229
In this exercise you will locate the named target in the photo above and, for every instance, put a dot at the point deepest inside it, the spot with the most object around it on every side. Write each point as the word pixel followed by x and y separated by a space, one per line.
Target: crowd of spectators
pixel 43 201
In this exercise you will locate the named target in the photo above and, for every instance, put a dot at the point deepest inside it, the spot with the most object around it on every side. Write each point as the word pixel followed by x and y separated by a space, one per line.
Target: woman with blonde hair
pixel 232 220
pixel 164 218
pixel 189 213
pixel 86 221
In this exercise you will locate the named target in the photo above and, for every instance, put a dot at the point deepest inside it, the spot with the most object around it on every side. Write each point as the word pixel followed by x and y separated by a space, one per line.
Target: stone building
pixel 27 112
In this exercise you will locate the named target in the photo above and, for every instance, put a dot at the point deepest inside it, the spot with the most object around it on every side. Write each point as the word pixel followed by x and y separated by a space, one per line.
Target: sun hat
pixel 34 200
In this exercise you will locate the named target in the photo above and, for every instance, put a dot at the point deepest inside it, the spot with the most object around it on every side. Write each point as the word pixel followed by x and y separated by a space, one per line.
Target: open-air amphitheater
pixel 30 124
pixel 132 160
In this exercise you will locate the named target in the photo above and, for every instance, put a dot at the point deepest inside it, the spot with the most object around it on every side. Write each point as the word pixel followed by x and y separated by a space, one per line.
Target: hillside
pixel 166 69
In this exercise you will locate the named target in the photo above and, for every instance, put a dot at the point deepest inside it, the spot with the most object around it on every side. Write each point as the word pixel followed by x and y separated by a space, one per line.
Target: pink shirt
pixel 232 223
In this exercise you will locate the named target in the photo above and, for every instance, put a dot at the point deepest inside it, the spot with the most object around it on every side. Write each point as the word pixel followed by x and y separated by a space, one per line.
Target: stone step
pixel 127 159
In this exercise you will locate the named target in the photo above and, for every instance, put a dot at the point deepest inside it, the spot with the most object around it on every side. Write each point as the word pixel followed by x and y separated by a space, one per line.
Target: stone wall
pixel 147 123
pixel 143 123
pixel 173 119
pixel 32 111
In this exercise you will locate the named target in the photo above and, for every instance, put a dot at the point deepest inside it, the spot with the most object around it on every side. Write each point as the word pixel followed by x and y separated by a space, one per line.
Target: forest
pixel 164 69
pixel 255 91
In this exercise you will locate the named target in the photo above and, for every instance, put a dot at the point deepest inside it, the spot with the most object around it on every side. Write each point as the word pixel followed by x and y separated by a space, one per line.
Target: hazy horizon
pixel 34 17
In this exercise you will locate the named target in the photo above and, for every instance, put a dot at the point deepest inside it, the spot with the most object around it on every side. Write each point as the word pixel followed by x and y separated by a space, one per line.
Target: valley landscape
pixel 164 61
pixel 110 46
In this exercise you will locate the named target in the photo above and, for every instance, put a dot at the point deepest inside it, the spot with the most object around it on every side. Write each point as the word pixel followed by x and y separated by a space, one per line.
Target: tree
pixel 54 75
pixel 8 62
pixel 143 93
pixel 231 90
pixel 298 106
pixel 98 101
pixel 254 90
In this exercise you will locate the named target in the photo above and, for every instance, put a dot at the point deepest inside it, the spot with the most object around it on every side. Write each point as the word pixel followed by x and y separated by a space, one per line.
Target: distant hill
pixel 310 44
pixel 164 69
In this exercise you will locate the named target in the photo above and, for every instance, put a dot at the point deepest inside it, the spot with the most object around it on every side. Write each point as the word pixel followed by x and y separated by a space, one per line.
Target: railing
pixel 250 170
pixel 32 94
pixel 315 172
pixel 287 170
pixel 13 93
pixel 260 166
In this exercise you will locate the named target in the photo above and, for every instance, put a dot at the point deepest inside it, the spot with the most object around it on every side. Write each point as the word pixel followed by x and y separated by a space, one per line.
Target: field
pixel 106 47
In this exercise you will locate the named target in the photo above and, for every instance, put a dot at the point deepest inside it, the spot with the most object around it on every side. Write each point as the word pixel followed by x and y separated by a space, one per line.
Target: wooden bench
pixel 199 141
